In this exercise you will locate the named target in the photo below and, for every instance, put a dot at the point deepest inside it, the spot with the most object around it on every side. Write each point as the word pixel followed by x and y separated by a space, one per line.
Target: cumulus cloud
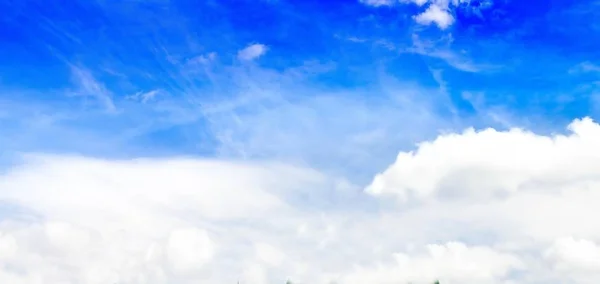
pixel 116 222
pixel 252 52
pixel 577 260
pixel 435 14
pixel 438 12
pixel 490 163
pixel 448 263
pixel 473 207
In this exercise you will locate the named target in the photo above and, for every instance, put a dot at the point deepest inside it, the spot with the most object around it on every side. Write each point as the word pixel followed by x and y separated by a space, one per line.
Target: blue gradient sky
pixel 255 141
pixel 338 81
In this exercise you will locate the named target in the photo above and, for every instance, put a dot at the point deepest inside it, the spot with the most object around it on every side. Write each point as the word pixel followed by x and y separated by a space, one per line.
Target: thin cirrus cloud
pixel 229 149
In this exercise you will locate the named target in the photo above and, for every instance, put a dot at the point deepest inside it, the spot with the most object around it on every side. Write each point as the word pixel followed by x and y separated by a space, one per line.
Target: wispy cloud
pixel 87 86
pixel 328 161
pixel 144 97
pixel 585 67
pixel 328 128
pixel 441 49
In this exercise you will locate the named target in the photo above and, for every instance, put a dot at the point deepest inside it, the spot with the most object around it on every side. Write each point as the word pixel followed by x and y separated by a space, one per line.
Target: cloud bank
pixel 473 207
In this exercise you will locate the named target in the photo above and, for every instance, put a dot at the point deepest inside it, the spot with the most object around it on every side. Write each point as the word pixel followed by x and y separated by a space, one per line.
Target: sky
pixel 260 141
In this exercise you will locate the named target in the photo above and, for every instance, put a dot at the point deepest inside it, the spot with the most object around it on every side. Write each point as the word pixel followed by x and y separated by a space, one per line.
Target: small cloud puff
pixel 252 52
pixel 435 14
pixel 438 12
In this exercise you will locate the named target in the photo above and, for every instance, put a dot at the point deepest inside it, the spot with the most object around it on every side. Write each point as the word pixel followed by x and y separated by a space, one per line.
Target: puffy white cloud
pixel 449 263
pixel 570 253
pixel 189 249
pixel 96 221
pixel 577 260
pixel 252 52
pixel 476 207
pixel 490 163
pixel 435 14
pixel 529 191
pixel 438 12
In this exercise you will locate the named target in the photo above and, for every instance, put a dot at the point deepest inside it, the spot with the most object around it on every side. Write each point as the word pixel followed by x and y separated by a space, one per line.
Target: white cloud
pixel 435 14
pixel 252 52
pixel 438 12
pixel 449 263
pixel 570 253
pixel 189 249
pixel 516 186
pixel 269 254
pixel 578 260
pixel 476 207
pixel 487 163
pixel 114 220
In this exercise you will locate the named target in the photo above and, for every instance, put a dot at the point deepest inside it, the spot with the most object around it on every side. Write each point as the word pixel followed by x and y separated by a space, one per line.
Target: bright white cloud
pixel 252 52
pixel 490 163
pixel 570 253
pixel 476 207
pixel 438 12
pixel 435 14
pixel 127 222
pixel 449 263
pixel 578 260
pixel 189 249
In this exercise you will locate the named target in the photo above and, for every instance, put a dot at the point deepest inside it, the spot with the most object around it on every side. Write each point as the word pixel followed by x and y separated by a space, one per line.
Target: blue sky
pixel 293 96
pixel 74 70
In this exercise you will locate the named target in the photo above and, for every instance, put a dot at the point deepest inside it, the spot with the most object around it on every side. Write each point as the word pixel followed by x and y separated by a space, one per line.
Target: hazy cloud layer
pixel 476 207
